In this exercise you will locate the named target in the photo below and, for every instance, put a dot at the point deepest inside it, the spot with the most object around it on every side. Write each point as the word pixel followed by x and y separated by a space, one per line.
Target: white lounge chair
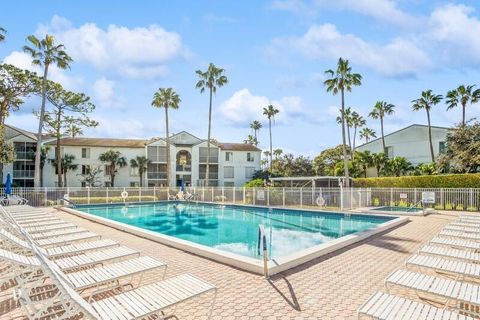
pixel 67 239
pixel 450 293
pixel 459 234
pixel 384 306
pixel 462 228
pixel 456 243
pixel 459 269
pixel 12 200
pixel 452 253
pixel 63 226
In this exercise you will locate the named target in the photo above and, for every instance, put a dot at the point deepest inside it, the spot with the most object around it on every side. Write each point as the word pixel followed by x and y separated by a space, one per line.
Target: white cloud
pixel 399 57
pixel 24 61
pixel 137 52
pixel 382 10
pixel 455 31
pixel 243 107
pixel 104 94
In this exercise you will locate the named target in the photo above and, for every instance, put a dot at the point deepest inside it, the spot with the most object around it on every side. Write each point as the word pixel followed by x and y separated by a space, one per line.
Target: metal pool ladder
pixel 262 243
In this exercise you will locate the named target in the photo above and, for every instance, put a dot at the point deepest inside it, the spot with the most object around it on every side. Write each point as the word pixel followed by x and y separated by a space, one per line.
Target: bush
pixel 255 183
pixel 439 181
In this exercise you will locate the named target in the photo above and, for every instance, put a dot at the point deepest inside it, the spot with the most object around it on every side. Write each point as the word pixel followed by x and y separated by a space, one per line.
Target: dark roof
pixel 237 146
pixel 102 142
pixel 394 132
pixel 26 133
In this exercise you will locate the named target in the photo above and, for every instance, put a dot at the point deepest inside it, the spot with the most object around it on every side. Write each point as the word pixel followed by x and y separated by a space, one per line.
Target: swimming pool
pixel 226 232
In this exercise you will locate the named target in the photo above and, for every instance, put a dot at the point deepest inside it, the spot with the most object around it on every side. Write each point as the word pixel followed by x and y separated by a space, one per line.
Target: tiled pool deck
pixel 331 287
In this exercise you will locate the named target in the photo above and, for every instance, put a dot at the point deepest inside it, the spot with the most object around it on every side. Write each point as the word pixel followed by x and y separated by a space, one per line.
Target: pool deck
pixel 330 287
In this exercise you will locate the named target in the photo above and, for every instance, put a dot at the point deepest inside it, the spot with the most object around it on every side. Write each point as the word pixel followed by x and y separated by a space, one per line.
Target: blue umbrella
pixel 182 185
pixel 8 185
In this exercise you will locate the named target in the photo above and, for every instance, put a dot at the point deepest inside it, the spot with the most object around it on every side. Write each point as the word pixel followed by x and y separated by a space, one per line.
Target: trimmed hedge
pixel 471 180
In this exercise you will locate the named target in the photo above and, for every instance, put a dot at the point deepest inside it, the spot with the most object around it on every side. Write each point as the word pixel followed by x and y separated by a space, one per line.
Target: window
pixel 108 170
pixel 228 156
pixel 249 157
pixel 229 184
pixel 85 153
pixel 134 172
pixel 85 169
pixel 228 172
pixel 390 152
pixel 442 147
pixel 84 184
pixel 134 184
pixel 249 171
pixel 108 184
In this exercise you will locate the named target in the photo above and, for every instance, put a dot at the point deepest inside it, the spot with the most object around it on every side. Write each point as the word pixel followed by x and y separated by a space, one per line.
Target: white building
pixel 231 164
pixel 410 142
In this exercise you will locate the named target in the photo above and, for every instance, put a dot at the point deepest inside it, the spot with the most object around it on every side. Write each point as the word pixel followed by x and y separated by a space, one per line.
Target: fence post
pixel 442 199
pixel 233 195
pixel 283 196
pixel 254 195
pixel 88 195
pixel 268 197
pixel 139 194
pixel 46 197
pixel 107 194
pixel 341 197
pixel 203 193
pixel 301 197
pixel 223 194
pixel 415 196
pixel 391 197
pixel 213 195
pixel 155 193
pixel 244 196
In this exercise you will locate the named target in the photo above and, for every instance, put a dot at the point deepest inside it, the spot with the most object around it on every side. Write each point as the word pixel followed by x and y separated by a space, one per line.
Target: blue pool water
pixel 235 228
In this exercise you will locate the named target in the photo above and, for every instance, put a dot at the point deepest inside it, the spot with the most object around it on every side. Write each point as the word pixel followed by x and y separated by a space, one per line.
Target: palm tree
pixel 166 98
pixel 255 126
pixel 43 158
pixel 378 161
pixel 357 121
pixel 340 80
pixel 66 165
pixel 398 166
pixel 73 131
pixel 367 133
pixel 277 153
pixel 426 102
pixel 44 53
pixel 270 111
pixel 380 110
pixel 365 160
pixel 141 163
pixel 251 140
pixel 2 34
pixel 210 80
pixel 462 96
pixel 113 159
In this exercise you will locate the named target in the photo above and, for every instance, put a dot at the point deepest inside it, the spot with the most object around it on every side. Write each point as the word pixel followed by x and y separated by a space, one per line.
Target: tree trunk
pixel 112 175
pixel 383 137
pixel 140 173
pixel 463 114
pixel 353 145
pixel 36 180
pixel 207 169
pixel 271 146
pixel 58 155
pixel 430 137
pixel 378 171
pixel 349 140
pixel 168 145
pixel 344 143
pixel 65 178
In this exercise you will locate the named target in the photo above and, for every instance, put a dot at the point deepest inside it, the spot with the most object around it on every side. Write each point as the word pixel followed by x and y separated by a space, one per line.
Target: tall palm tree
pixel 45 52
pixel 379 160
pixel 367 133
pixel 357 121
pixel 43 159
pixel 380 110
pixel 426 102
pixel 256 126
pixel 114 160
pixel 277 153
pixel 340 80
pixel 210 80
pixel 2 34
pixel 270 111
pixel 141 163
pixel 461 97
pixel 166 98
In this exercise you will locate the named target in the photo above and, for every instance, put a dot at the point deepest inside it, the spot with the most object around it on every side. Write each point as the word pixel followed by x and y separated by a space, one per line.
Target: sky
pixel 273 52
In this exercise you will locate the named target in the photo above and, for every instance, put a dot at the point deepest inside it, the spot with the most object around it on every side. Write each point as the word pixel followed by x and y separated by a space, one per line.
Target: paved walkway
pixel 331 287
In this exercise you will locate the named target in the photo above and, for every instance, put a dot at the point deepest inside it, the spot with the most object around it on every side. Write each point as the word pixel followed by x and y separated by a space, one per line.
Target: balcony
pixel 213 159
pixel 23 173
pixel 212 175
pixel 156 175
pixel 25 155
pixel 157 159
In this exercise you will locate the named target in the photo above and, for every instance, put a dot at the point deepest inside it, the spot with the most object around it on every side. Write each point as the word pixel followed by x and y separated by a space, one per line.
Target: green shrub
pixel 255 183
pixel 471 180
